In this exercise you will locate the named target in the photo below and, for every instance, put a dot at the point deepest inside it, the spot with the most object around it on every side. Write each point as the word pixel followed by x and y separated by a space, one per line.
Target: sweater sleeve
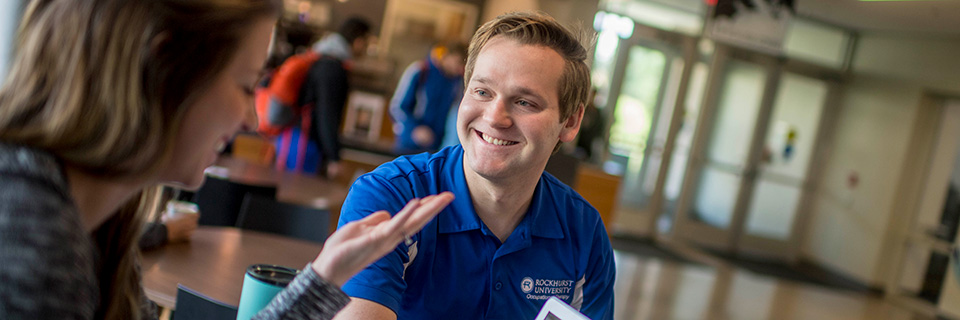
pixel 48 262
pixel 307 297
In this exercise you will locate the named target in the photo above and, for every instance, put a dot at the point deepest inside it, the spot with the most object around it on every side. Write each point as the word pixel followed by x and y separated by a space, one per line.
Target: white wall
pixel 873 129
pixel 876 120
pixel 955 175
pixel 932 63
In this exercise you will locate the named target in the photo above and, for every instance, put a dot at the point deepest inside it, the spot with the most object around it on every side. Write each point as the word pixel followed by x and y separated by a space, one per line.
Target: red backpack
pixel 276 104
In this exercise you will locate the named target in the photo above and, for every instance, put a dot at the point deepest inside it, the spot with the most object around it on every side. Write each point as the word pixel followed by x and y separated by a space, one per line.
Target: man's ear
pixel 571 126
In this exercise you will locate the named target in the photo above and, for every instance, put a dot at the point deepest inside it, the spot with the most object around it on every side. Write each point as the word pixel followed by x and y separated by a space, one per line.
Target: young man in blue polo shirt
pixel 514 236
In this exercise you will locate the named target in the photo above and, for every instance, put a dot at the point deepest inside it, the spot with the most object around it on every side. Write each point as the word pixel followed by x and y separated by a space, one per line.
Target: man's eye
pixel 481 92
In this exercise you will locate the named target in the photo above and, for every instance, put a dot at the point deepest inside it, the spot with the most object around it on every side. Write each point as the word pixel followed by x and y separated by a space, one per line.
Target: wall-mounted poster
pixel 365 112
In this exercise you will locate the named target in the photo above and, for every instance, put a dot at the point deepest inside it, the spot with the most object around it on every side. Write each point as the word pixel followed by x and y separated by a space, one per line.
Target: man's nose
pixel 498 115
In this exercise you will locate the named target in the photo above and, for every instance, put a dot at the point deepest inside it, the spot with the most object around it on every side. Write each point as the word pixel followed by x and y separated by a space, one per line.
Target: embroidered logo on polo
pixel 526 285
pixel 543 289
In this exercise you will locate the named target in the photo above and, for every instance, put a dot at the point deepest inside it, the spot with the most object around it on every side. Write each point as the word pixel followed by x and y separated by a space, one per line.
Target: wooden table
pixel 303 189
pixel 214 261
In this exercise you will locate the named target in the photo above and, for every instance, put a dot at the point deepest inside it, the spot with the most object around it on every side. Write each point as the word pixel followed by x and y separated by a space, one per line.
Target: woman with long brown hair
pixel 107 98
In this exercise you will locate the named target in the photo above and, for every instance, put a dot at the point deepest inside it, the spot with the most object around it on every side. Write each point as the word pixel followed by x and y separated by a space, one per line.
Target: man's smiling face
pixel 509 118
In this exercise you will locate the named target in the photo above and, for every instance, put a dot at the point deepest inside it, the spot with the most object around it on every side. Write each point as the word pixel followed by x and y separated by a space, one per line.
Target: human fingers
pixel 378 221
pixel 429 208
pixel 353 230
pixel 373 219
pixel 416 211
pixel 399 219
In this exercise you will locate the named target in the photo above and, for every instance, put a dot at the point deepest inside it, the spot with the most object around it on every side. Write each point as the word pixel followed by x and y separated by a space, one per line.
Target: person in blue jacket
pixel 514 236
pixel 426 93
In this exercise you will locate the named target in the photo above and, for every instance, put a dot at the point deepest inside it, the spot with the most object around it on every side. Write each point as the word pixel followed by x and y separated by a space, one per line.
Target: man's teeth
pixel 220 146
pixel 496 141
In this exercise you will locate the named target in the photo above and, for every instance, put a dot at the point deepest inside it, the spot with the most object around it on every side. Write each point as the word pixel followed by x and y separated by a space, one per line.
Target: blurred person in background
pixel 284 117
pixel 175 222
pixel 302 103
pixel 108 98
pixel 169 229
pixel 591 129
pixel 427 92
pixel 326 88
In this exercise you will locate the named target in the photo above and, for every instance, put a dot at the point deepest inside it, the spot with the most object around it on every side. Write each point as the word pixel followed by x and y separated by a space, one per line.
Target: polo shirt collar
pixel 460 215
pixel 541 218
pixel 544 215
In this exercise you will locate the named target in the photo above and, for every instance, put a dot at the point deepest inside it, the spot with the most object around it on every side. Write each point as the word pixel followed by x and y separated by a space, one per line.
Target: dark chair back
pixel 268 215
pixel 219 200
pixel 192 305
pixel 564 167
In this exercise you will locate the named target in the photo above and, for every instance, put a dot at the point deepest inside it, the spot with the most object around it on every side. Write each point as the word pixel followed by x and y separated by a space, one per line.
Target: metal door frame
pixel 673 45
pixel 735 239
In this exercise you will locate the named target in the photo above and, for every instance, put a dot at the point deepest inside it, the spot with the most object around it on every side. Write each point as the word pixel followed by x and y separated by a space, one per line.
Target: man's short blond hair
pixel 539 29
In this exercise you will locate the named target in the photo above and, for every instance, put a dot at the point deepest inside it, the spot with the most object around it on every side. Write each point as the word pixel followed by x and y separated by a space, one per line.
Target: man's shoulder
pixel 415 72
pixel 418 65
pixel 329 59
pixel 571 208
pixel 416 166
pixel 564 195
pixel 326 63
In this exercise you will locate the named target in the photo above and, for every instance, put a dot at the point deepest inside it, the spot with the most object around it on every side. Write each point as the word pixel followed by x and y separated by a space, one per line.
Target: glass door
pixel 722 163
pixel 635 125
pixel 726 156
pixel 784 165
pixel 645 123
pixel 679 149
pixel 751 155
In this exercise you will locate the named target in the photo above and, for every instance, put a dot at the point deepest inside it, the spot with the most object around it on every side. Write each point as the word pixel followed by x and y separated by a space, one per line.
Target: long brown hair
pixel 103 85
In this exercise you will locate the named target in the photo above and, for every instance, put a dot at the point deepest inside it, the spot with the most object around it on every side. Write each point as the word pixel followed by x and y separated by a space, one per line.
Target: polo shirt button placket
pixel 498 286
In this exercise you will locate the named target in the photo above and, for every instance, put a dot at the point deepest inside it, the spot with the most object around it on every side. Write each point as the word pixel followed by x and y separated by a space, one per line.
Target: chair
pixel 564 167
pixel 219 200
pixel 253 148
pixel 192 305
pixel 267 215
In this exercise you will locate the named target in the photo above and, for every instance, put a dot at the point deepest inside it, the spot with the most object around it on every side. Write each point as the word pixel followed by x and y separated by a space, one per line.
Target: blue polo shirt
pixel 457 268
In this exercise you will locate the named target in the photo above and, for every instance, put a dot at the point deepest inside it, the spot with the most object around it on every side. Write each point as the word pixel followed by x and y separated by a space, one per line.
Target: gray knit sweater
pixel 47 262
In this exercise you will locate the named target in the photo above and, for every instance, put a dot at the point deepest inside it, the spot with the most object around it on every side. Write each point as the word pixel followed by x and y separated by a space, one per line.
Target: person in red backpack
pixel 302 104
pixel 283 99
pixel 283 114
pixel 326 87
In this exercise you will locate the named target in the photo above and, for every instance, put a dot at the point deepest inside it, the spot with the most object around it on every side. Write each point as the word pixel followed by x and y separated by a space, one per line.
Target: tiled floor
pixel 651 288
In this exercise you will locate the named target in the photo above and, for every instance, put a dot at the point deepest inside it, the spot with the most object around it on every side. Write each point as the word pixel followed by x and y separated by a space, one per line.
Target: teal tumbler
pixel 261 283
